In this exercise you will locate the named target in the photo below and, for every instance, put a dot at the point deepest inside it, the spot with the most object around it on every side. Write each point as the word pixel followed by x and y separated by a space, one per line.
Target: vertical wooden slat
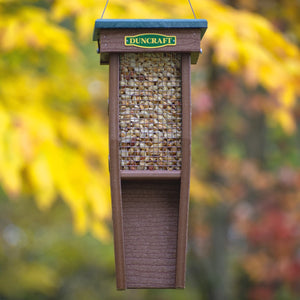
pixel 114 166
pixel 185 172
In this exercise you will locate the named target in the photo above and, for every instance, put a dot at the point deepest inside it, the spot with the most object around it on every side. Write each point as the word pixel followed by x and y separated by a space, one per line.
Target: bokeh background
pixel 55 213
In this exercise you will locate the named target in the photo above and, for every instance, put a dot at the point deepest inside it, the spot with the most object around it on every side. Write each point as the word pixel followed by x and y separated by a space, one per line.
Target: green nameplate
pixel 150 40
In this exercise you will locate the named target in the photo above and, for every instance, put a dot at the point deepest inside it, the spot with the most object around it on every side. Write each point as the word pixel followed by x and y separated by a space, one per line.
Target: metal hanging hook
pixel 108 1
pixel 192 9
pixel 104 9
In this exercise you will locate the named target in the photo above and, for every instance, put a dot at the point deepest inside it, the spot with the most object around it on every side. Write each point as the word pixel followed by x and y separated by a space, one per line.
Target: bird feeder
pixel 149 144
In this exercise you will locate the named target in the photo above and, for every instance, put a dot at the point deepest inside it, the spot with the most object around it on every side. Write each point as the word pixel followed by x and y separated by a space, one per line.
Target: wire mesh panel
pixel 150 111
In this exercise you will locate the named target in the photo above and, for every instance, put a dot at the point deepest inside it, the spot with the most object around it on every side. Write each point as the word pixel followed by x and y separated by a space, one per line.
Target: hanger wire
pixel 108 1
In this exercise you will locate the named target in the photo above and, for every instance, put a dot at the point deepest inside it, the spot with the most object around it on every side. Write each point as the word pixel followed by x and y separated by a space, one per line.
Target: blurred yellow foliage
pixel 30 28
pixel 50 144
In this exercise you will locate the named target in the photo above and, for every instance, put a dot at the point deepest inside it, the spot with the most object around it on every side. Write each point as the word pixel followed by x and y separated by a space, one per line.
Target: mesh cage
pixel 150 118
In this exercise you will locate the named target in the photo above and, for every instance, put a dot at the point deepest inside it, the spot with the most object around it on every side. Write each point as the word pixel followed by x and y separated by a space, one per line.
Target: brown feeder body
pixel 150 145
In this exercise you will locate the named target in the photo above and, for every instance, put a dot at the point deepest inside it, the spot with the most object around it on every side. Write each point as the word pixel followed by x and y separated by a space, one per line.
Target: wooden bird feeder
pixel 149 144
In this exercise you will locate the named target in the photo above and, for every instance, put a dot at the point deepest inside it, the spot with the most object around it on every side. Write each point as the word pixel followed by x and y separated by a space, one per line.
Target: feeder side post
pixel 114 168
pixel 185 171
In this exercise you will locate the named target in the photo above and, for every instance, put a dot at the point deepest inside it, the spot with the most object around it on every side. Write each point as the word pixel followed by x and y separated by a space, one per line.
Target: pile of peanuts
pixel 150 118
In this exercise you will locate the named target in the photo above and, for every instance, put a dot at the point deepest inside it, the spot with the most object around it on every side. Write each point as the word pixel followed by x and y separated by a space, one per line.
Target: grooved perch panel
pixel 150 218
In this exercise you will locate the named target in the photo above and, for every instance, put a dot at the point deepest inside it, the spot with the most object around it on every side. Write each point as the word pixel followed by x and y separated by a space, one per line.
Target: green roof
pixel 147 23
